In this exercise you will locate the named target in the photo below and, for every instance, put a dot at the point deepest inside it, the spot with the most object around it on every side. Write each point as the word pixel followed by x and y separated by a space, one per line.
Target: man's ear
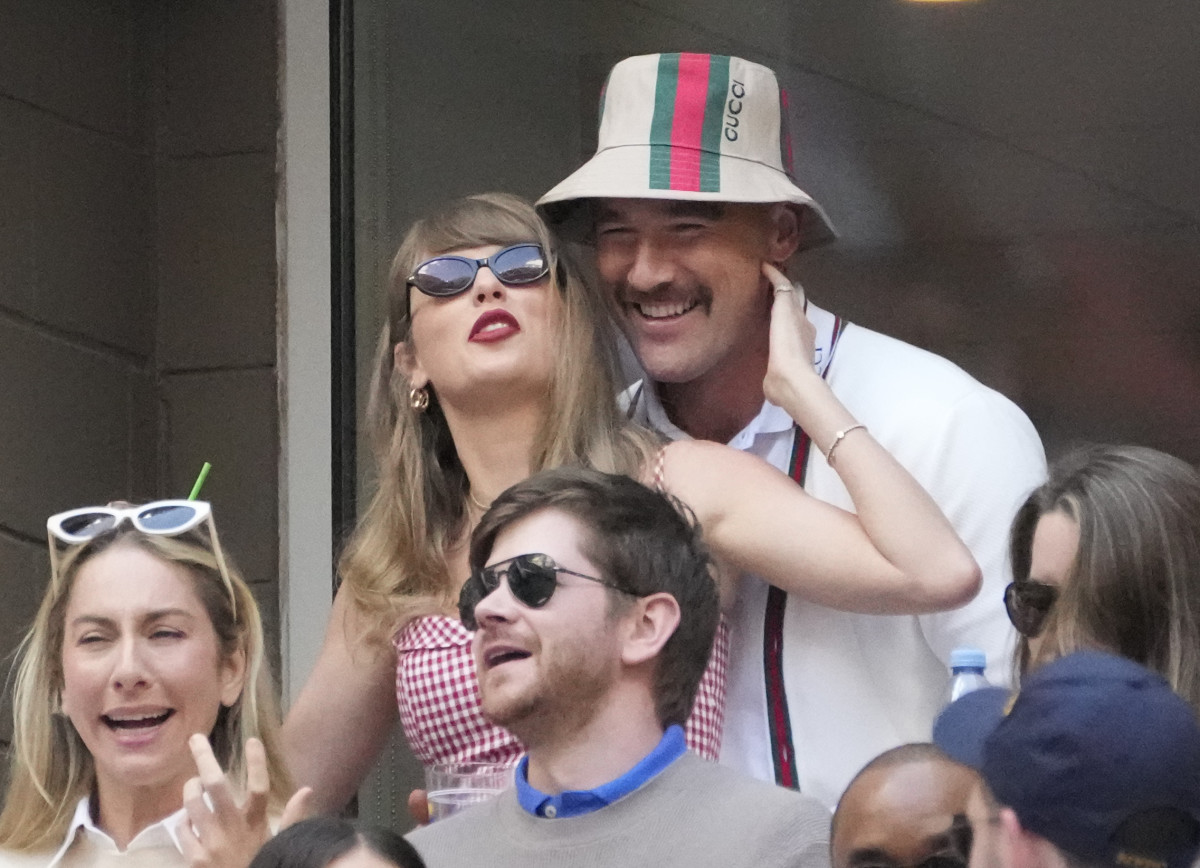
pixel 784 235
pixel 405 363
pixel 1020 848
pixel 651 622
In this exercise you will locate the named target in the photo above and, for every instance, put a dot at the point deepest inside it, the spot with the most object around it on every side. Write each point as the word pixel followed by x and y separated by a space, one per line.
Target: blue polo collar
pixel 574 803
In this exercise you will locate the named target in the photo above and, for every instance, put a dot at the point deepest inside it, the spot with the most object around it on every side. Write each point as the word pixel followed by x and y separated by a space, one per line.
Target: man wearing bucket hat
pixel 1095 764
pixel 689 194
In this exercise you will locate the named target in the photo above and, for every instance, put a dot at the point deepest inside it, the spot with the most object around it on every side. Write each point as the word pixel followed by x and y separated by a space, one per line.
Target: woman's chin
pixel 144 769
pixel 496 388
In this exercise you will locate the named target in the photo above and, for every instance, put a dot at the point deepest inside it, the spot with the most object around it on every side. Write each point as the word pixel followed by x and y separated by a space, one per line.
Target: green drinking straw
pixel 200 481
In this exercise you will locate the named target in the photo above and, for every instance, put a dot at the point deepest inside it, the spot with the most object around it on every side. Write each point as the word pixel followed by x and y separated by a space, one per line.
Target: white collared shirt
pixel 859 684
pixel 88 846
pixel 769 435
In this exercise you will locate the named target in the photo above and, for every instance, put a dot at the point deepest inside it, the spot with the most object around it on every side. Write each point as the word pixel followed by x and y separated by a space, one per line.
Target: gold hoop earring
pixel 418 399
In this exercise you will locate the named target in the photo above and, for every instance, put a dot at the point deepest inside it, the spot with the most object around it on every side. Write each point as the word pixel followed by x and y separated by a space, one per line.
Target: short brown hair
pixel 642 541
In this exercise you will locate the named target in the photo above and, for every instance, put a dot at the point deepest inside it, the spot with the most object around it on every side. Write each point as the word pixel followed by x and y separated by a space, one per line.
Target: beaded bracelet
pixel 838 438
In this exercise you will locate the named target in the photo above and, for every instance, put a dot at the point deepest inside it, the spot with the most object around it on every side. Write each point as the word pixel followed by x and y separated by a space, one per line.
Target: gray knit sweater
pixel 694 813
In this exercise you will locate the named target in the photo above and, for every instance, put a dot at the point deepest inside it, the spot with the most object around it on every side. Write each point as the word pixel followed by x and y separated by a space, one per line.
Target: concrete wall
pixel 137 272
pixel 216 68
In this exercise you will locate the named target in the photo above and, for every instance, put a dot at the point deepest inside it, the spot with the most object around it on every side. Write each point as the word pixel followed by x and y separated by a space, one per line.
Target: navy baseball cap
pixel 1095 753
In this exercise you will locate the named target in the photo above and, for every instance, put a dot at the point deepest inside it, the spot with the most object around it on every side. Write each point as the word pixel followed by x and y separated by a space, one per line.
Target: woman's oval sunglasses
pixel 446 276
pixel 532 579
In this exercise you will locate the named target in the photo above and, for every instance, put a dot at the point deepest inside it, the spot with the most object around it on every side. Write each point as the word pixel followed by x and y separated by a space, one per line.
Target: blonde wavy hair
pixel 50 767
pixel 395 563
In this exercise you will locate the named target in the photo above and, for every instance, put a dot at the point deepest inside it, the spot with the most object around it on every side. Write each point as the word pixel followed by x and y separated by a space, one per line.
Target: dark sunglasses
pixel 1028 603
pixel 532 579
pixel 956 854
pixel 962 838
pixel 446 276
pixel 937 860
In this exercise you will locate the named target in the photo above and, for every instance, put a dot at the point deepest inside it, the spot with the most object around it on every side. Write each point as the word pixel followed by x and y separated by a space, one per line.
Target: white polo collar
pixel 771 419
pixel 164 832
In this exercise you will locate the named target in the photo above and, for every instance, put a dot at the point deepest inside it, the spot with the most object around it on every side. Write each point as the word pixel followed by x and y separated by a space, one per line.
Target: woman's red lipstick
pixel 502 325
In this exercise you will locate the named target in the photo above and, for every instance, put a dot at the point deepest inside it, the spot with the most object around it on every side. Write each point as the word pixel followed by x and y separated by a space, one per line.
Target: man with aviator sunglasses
pixel 594 611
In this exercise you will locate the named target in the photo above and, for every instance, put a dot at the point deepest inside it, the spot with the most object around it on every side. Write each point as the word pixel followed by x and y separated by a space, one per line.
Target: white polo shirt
pixel 857 685
pixel 87 846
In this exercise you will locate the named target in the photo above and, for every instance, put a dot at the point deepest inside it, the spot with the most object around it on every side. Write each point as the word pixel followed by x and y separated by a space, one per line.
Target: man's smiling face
pixel 686 280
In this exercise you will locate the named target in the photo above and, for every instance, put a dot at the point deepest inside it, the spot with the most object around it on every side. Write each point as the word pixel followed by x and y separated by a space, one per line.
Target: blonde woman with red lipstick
pixel 144 661
pixel 495 363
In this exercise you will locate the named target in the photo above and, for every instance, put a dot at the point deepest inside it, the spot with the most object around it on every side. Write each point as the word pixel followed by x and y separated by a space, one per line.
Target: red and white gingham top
pixel 439 697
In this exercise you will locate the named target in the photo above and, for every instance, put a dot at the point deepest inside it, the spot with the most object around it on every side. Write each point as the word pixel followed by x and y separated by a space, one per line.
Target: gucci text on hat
pixel 699 127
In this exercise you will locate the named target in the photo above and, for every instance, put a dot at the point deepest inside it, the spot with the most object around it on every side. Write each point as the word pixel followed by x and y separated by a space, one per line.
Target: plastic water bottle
pixel 966 672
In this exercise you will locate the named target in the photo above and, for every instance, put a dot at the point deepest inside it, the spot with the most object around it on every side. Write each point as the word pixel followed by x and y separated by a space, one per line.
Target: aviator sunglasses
pixel 159 518
pixel 532 579
pixel 1028 603
pixel 446 276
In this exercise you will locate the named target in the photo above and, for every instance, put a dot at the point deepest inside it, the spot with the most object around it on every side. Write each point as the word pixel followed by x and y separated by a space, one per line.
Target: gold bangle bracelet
pixel 838 438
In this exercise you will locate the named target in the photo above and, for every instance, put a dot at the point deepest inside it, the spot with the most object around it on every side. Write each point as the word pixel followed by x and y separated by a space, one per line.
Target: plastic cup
pixel 450 787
